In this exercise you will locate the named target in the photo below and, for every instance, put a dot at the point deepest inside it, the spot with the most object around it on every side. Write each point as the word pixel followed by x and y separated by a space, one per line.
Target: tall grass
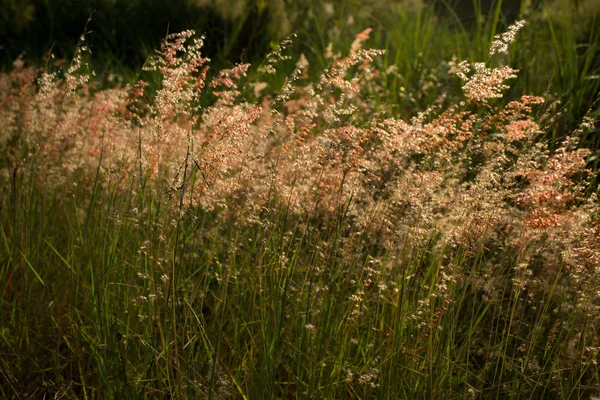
pixel 557 52
pixel 228 238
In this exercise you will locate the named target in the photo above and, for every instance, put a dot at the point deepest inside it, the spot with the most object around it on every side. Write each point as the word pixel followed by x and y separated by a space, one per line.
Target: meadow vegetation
pixel 353 222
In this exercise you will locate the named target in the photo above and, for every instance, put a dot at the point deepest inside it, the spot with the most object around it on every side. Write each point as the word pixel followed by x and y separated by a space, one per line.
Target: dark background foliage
pixel 125 31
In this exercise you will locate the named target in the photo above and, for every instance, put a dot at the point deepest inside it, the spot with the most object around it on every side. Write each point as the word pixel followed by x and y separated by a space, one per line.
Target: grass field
pixel 403 212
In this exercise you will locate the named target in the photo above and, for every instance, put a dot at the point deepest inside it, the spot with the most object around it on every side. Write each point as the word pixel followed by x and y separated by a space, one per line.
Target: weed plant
pixel 225 237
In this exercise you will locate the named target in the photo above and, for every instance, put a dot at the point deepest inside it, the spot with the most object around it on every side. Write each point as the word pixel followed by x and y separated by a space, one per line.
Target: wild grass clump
pixel 224 238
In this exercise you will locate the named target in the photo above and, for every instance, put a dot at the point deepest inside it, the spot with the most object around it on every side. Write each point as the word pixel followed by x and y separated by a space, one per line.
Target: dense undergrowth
pixel 224 237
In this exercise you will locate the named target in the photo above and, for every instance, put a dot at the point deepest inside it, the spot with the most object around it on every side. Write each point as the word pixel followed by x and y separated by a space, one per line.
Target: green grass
pixel 235 317
pixel 260 311
pixel 121 289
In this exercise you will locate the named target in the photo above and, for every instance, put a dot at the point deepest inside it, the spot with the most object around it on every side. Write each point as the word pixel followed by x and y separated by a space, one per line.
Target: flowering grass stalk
pixel 301 241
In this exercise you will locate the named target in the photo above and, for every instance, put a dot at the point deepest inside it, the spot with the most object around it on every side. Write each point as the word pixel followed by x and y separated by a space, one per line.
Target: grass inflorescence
pixel 226 237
